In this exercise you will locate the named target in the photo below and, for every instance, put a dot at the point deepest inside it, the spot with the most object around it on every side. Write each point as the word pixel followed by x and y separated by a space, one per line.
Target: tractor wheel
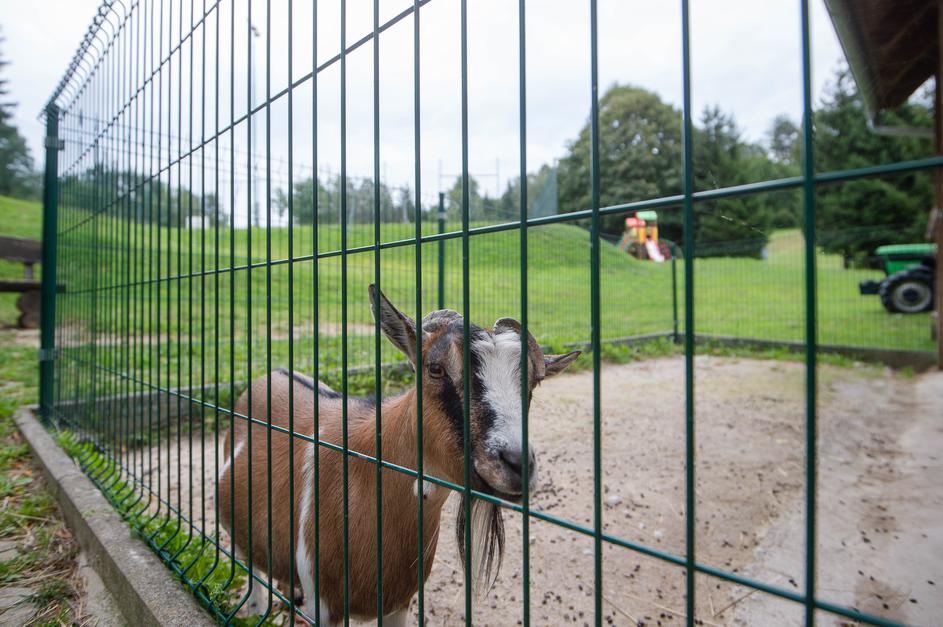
pixel 908 291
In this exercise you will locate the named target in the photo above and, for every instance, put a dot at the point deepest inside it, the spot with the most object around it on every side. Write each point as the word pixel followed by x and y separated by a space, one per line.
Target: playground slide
pixel 653 253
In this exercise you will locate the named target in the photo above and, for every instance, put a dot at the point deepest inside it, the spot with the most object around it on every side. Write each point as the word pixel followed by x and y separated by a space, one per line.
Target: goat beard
pixel 487 525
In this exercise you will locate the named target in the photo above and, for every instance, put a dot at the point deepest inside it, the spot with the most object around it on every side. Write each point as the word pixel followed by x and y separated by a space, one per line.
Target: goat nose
pixel 513 459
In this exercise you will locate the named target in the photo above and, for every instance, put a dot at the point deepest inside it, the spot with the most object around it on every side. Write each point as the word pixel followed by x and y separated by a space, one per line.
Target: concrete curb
pixel 920 361
pixel 141 584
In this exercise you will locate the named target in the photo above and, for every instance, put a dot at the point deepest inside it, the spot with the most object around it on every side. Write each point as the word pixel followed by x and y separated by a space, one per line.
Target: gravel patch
pixel 880 539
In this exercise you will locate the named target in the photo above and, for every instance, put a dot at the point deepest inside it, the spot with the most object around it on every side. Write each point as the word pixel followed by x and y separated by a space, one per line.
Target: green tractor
pixel 908 286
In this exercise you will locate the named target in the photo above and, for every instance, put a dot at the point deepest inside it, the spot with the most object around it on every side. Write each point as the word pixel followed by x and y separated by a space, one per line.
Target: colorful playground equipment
pixel 640 238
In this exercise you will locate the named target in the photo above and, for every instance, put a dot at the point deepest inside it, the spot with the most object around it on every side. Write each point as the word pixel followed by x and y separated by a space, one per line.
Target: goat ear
pixel 555 364
pixel 396 326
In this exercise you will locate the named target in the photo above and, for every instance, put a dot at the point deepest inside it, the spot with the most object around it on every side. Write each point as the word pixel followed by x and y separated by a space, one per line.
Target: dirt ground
pixel 880 534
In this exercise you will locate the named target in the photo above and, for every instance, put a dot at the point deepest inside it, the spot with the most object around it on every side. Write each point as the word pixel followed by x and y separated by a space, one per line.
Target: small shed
pixel 893 47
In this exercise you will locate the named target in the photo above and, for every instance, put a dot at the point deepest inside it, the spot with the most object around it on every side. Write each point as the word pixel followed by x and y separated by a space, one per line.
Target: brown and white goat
pixel 496 452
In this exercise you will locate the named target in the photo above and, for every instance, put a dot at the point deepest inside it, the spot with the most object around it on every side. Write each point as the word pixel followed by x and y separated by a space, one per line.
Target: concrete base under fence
pixel 144 589
pixel 920 361
pixel 156 408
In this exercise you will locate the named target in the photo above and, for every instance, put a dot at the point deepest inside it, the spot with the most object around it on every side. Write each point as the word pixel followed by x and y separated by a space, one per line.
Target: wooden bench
pixel 29 253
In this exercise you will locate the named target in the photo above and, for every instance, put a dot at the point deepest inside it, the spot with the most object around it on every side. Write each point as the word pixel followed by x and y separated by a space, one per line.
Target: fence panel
pixel 206 241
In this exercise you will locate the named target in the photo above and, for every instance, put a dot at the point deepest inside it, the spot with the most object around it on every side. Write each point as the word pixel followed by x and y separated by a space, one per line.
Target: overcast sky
pixel 746 60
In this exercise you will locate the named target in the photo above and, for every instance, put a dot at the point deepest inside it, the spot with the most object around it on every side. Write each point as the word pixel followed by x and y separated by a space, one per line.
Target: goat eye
pixel 436 371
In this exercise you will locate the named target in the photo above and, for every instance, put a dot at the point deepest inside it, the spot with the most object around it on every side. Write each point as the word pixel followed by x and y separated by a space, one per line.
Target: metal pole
pixel 690 448
pixel 595 313
pixel 935 231
pixel 674 293
pixel 441 251
pixel 811 339
pixel 47 341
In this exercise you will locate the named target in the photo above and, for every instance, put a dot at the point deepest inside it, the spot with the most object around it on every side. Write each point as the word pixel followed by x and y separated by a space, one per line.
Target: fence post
pixel 674 291
pixel 47 340
pixel 441 251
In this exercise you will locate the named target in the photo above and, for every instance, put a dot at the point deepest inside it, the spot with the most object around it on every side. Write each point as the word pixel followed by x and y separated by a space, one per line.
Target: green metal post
pixel 811 340
pixel 525 379
pixel 377 334
pixel 441 251
pixel 595 314
pixel 420 466
pixel 47 340
pixel 690 449
pixel 345 390
pixel 466 326
pixel 674 294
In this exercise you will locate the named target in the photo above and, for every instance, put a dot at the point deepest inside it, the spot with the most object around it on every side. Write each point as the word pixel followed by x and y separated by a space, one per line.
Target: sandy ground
pixel 880 533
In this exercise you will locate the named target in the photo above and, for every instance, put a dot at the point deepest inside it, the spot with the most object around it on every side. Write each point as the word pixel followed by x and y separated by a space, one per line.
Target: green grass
pixel 177 331
pixel 179 343
pixel 21 218
pixel 764 299
pixel 172 331
pixel 28 517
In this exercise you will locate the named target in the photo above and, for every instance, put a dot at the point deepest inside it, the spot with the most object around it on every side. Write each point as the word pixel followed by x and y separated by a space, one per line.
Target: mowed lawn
pixel 162 306
pixel 766 299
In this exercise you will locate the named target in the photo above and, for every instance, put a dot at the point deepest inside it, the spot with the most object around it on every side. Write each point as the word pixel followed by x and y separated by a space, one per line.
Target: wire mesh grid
pixel 203 248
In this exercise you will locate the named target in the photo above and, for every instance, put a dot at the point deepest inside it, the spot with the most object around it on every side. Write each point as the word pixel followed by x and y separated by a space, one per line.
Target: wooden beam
pixel 21 250
pixel 24 285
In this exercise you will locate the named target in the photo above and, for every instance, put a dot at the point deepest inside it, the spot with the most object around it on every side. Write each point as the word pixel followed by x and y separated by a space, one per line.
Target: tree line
pixel 640 157
pixel 398 204
pixel 136 197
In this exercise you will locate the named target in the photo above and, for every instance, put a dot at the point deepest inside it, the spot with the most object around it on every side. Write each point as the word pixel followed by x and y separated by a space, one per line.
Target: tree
pixel 783 149
pixel 857 216
pixel 453 200
pixel 784 141
pixel 639 154
pixel 16 165
pixel 540 191
pixel 138 197
pixel 640 158
pixel 736 226
pixel 303 202
pixel 406 206
pixel 360 202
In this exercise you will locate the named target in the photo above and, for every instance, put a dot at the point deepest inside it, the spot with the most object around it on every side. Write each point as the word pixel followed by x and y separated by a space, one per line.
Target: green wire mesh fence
pixel 202 247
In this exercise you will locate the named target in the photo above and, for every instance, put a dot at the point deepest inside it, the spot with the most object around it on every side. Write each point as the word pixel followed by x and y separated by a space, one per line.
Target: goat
pixel 496 459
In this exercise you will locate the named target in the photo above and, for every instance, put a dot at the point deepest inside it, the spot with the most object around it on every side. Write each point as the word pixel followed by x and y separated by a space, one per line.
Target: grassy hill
pixel 161 297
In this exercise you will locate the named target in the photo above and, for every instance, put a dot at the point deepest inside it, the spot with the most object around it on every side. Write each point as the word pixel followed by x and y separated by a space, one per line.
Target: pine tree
pixel 735 226
pixel 857 216
pixel 16 165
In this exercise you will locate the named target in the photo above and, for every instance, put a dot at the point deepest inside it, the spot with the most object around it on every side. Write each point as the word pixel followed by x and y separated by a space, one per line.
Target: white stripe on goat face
pixel 500 372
